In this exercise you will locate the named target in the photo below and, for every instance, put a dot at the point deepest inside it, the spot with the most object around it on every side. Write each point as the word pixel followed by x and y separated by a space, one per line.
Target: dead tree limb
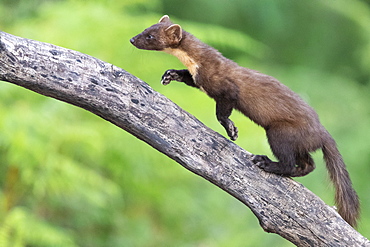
pixel 282 205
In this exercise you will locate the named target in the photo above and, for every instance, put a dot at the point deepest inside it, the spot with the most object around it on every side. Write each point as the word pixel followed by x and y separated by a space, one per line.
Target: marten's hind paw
pixel 262 161
pixel 260 158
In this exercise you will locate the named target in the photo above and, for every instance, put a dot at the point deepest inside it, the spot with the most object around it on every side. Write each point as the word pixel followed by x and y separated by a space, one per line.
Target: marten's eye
pixel 150 36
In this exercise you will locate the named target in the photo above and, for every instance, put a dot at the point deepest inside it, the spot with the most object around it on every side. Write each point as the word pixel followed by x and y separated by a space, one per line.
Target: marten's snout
pixel 133 41
pixel 136 41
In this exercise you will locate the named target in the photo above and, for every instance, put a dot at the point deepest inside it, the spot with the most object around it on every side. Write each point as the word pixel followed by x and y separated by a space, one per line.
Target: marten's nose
pixel 132 40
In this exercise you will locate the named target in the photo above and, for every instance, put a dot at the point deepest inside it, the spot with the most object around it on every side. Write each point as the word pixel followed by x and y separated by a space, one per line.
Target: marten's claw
pixel 165 81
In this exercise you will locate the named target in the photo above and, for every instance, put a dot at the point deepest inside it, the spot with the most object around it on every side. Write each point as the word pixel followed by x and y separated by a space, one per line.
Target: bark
pixel 282 205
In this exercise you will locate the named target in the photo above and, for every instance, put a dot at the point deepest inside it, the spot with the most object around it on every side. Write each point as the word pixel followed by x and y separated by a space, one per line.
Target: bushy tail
pixel 345 197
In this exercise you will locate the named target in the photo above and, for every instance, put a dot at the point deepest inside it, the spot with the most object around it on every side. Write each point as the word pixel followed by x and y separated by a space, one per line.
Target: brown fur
pixel 293 128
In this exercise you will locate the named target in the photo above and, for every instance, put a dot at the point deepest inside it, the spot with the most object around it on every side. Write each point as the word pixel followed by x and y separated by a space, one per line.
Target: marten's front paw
pixel 232 132
pixel 169 75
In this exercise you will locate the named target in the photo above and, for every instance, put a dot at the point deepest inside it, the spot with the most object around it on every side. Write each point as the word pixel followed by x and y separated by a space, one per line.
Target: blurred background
pixel 69 178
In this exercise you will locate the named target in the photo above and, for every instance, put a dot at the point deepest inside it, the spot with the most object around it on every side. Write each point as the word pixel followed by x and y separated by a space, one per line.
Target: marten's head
pixel 160 36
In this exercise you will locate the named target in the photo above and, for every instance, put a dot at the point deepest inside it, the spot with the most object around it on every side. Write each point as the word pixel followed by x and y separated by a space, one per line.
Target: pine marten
pixel 292 127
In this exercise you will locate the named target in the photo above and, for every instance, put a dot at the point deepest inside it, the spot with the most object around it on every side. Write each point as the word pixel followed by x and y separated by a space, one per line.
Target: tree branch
pixel 282 205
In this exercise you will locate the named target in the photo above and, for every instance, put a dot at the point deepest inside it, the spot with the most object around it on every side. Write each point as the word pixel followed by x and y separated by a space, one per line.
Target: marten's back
pixel 266 100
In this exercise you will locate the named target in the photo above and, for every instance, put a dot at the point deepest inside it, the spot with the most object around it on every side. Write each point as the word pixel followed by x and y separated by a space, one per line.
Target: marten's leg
pixel 304 165
pixel 291 163
pixel 223 112
pixel 301 167
pixel 178 75
pixel 282 146
pixel 284 167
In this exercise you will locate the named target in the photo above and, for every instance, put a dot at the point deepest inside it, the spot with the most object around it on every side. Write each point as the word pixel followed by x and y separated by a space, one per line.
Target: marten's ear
pixel 164 19
pixel 174 32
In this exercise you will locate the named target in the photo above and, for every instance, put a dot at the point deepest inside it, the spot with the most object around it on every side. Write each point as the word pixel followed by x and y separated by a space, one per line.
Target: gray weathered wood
pixel 282 205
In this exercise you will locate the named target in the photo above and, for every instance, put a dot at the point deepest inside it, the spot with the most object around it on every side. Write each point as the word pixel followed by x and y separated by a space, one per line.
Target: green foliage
pixel 21 228
pixel 69 178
